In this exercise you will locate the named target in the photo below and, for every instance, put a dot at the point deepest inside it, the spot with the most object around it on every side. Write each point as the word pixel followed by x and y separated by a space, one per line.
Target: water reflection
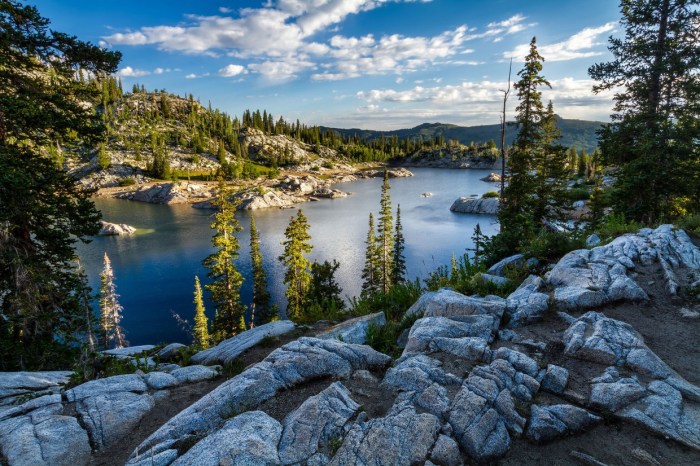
pixel 155 271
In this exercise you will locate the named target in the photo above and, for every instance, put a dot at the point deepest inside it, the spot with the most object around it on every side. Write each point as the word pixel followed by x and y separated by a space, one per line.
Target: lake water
pixel 155 271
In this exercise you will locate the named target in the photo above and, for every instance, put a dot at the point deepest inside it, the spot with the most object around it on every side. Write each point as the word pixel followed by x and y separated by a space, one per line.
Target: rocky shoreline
pixel 547 370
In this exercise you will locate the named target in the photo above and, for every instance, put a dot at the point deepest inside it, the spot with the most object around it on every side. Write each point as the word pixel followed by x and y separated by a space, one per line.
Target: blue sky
pixel 377 64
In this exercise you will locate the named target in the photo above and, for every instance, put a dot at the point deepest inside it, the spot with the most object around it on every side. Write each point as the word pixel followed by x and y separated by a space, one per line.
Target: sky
pixel 371 64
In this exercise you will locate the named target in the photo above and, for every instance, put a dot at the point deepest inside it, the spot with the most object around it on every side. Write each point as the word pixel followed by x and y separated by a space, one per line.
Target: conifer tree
pixel 515 212
pixel 654 132
pixel 261 297
pixel 324 290
pixel 370 272
pixel 399 261
pixel 200 332
pixel 297 276
pixel 110 309
pixel 226 279
pixel 44 211
pixel 478 240
pixel 385 238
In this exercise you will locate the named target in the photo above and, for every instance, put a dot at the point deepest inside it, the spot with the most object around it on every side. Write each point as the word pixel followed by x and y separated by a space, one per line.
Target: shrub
pixel 127 182
pixel 490 194
pixel 394 304
pixel 549 246
pixel 615 225
pixel 384 338
pixel 690 223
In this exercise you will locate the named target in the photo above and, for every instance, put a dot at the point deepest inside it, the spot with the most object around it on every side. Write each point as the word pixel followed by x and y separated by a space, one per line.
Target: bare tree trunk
pixel 503 131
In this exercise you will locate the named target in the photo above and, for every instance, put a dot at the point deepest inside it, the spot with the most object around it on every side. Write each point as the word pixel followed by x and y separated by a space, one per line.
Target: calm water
pixel 155 270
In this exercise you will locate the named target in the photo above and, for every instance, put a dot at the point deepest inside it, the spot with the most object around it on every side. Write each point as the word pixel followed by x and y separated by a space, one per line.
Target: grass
pixel 394 303
pixel 384 338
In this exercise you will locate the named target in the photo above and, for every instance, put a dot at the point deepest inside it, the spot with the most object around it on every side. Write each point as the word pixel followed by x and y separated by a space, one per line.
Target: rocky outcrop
pixel 168 193
pixel 254 200
pixel 516 262
pixel 230 349
pixel 527 304
pixel 492 178
pixel 354 330
pixel 297 362
pixel 392 172
pixel 585 279
pixel 471 205
pixel 115 229
pixel 448 303
pixel 468 336
pixel 551 422
pixel 14 385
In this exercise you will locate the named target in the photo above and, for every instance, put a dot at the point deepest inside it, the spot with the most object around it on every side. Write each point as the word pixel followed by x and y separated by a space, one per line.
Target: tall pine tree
pixel 398 273
pixel 44 211
pixel 370 272
pixel 226 279
pixel 298 276
pixel 515 212
pixel 385 238
pixel 654 132
pixel 110 309
pixel 262 313
pixel 200 332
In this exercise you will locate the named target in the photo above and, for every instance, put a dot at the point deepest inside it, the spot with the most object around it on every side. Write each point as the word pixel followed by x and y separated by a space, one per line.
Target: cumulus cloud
pixel 129 72
pixel 584 43
pixel 231 70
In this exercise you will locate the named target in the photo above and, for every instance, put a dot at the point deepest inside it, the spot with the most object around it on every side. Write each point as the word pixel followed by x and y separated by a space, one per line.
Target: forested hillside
pixel 578 133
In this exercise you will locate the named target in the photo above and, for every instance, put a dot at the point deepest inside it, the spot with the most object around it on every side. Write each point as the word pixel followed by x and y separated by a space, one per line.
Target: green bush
pixel 490 194
pixel 127 182
pixel 549 246
pixel 615 225
pixel 383 339
pixel 394 304
pixel 690 223
pixel 577 194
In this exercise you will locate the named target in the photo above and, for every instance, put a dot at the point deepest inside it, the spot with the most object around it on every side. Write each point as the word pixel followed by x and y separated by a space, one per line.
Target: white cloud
pixel 280 70
pixel 580 45
pixel 225 10
pixel 231 70
pixel 191 76
pixel 129 72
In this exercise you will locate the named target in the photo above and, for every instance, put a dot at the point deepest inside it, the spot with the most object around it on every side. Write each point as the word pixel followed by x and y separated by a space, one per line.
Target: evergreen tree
pixel 110 309
pixel 324 290
pixel 297 276
pixel 370 273
pixel 515 212
pixel 44 211
pixel 200 332
pixel 103 159
pixel 262 311
pixel 226 279
pixel 478 240
pixel 399 261
pixel 385 238
pixel 654 131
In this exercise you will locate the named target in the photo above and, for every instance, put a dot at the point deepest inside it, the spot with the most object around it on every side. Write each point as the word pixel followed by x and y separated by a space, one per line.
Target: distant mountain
pixel 579 133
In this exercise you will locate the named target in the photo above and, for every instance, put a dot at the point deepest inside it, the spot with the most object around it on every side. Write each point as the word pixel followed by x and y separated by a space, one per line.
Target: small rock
pixel 552 422
pixel 593 240
pixel 446 452
pixel 194 373
pixel 170 352
pixel 555 379
pixel 690 314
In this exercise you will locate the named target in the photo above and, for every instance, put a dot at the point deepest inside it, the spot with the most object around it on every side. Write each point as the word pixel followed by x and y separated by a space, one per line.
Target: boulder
pixel 487 277
pixel 551 422
pixel 110 417
pixel 118 383
pixel 248 439
pixel 15 384
pixel 295 363
pixel 429 333
pixel 312 425
pixel 517 261
pixel 595 337
pixel 527 304
pixel 129 351
pixel 163 193
pixel 468 205
pixel 160 380
pixel 194 373
pixel 483 412
pixel 170 352
pixel 44 437
pixel 555 379
pixel 230 349
pixel 256 200
pixel 385 441
pixel 115 229
pixel 446 452
pixel 354 330
pixel 492 178
pixel 448 303
pixel 593 240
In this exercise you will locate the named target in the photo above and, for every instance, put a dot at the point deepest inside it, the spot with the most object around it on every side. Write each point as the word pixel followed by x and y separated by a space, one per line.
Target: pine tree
pixel 370 273
pixel 515 212
pixel 399 261
pixel 297 276
pixel 385 238
pixel 110 309
pixel 478 240
pixel 44 210
pixel 324 290
pixel 200 332
pixel 226 279
pixel 654 131
pixel 261 297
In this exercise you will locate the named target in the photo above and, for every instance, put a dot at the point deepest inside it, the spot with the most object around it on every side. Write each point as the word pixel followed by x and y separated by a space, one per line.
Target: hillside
pixel 578 133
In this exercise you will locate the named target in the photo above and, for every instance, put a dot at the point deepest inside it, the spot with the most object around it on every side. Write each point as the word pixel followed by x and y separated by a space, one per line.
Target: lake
pixel 155 270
